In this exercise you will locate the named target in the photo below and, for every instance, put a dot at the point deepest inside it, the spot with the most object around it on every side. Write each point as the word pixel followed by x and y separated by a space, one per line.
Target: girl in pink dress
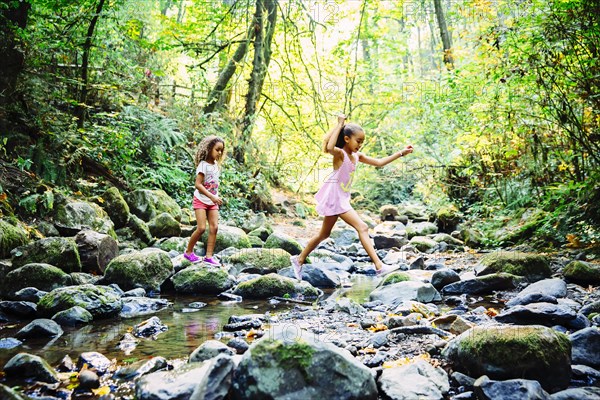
pixel 333 199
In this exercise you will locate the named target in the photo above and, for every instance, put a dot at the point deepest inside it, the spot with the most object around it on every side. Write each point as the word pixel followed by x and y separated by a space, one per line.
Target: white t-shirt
pixel 211 181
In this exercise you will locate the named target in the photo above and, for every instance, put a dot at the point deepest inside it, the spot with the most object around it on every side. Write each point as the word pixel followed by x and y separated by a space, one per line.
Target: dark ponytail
pixel 347 130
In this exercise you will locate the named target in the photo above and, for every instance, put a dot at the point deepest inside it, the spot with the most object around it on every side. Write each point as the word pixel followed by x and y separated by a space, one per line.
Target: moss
pixel 199 279
pixel 534 266
pixel 266 286
pixel 267 260
pixel 282 241
pixel 297 355
pixel 42 276
pixel 115 206
pixel 579 271
pixel 395 277
pixel 11 236
pixel 517 346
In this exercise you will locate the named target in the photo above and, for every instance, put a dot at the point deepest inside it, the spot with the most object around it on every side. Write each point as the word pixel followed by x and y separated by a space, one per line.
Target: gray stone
pixel 483 284
pixel 551 287
pixel 402 291
pixel 146 269
pixel 100 301
pixel 94 360
pixel 538 313
pixel 418 380
pixel 149 328
pixel 443 277
pixel 208 350
pixel 25 365
pixel 581 393
pixel 45 328
pixel 586 347
pixel 487 389
pixel 57 251
pixel 136 306
pixel 73 316
pixel 140 368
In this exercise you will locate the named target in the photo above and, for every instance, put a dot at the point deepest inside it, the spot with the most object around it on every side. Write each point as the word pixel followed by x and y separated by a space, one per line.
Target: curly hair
pixel 206 146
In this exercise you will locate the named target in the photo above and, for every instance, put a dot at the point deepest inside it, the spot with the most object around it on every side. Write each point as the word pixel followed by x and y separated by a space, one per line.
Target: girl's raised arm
pixel 332 136
pixel 380 162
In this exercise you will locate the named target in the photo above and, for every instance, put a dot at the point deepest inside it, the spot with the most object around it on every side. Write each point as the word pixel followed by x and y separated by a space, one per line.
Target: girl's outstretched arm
pixel 380 162
pixel 332 136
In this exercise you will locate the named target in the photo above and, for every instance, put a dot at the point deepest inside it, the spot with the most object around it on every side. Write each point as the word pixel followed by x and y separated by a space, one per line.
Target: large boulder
pixel 100 301
pixel 582 273
pixel 278 240
pixel 147 204
pixel 532 266
pixel 11 236
pixel 483 284
pixel 96 250
pixel 164 225
pixel 199 279
pixel 73 216
pixel 229 236
pixel 44 277
pixel 513 351
pixel 396 293
pixel 115 206
pixel 146 269
pixel 274 285
pixel 289 363
pixel 58 251
pixel 258 261
pixel 24 365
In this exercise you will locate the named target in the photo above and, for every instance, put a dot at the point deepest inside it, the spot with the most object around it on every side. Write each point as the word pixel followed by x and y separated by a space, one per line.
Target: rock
pixel 278 240
pixel 178 244
pixel 12 235
pixel 589 393
pixel 447 218
pixel 349 306
pixel 44 277
pixel 164 225
pixel 82 278
pixel 487 389
pixel 521 300
pixel 582 273
pixel 483 284
pixel 147 204
pixel 115 206
pixel 29 293
pixel 73 316
pixel 452 323
pixel 444 237
pixel 135 306
pixel 534 267
pixel 585 345
pixel 389 241
pixel 423 243
pixel 95 360
pixel 100 301
pixel 417 380
pixel 513 352
pixel 96 250
pixel 388 212
pixel 421 229
pixel 239 345
pixel 413 211
pixel 590 308
pixel 7 393
pixel 394 277
pixel 9 343
pixel 258 261
pixel 274 285
pixel 262 232
pixel 290 363
pixel 146 269
pixel 19 309
pixel 73 216
pixel 409 290
pixel 538 313
pixel 40 328
pixel 208 350
pixel 25 365
pixel 194 381
pixel 57 251
pixel 229 236
pixel 344 236
pixel 443 277
pixel 472 237
pixel 552 287
pixel 88 380
pixel 139 368
pixel 136 229
pixel 199 279
pixel 149 328
pixel 318 277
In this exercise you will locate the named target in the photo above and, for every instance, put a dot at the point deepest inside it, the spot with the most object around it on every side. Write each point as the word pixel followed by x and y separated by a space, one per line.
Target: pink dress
pixel 334 196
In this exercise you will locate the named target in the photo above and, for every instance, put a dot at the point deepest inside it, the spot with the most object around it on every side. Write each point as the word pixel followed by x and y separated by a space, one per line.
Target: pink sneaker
pixel 296 267
pixel 192 257
pixel 211 261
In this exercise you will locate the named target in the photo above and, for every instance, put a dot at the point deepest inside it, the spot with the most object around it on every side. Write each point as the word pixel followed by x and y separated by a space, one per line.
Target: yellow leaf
pixel 101 391
pixel 491 312
pixel 100 200
pixel 377 328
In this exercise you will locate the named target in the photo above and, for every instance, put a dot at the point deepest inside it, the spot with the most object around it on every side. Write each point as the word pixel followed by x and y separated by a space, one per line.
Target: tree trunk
pixel 87 48
pixel 217 92
pixel 12 15
pixel 262 56
pixel 444 34
pixel 96 250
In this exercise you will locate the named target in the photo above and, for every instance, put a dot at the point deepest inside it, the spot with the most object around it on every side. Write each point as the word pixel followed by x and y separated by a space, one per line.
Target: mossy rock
pixel 58 251
pixel 12 235
pixel 255 242
pixel 164 225
pixel 259 261
pixel 199 279
pixel 534 267
pixel 115 206
pixel 73 216
pixel 511 352
pixel 100 301
pixel 423 243
pixel 262 232
pixel 178 244
pixel 472 237
pixel 582 272
pixel 447 218
pixel 41 276
pixel 147 204
pixel 278 240
pixel 229 236
pixel 139 230
pixel 395 277
pixel 146 269
pixel 271 285
pixel 7 393
pixel 257 221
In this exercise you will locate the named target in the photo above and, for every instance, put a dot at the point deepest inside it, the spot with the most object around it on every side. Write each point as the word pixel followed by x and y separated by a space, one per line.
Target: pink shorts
pixel 198 205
